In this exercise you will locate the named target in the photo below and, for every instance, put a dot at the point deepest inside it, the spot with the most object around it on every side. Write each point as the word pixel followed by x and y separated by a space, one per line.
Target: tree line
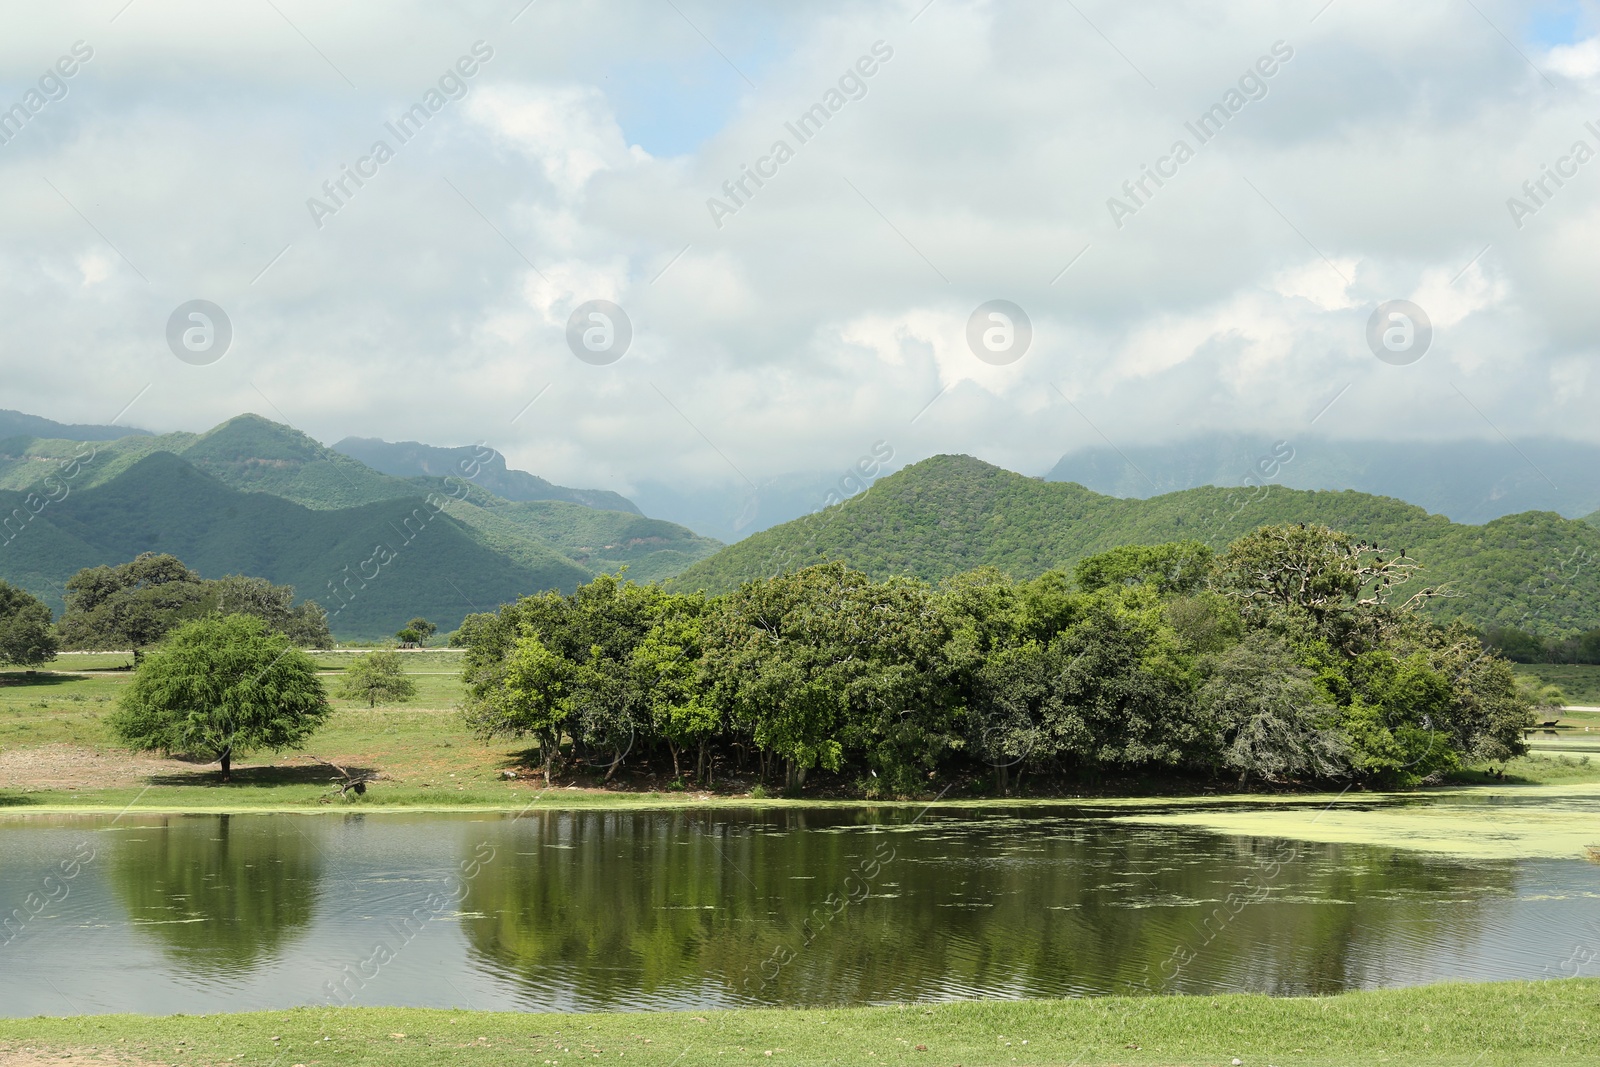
pixel 1520 646
pixel 136 605
pixel 1294 656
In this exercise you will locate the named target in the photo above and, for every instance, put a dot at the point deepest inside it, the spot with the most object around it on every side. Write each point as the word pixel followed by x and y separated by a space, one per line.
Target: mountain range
pixel 255 497
pixel 1473 481
pixel 1536 571
pixel 351 525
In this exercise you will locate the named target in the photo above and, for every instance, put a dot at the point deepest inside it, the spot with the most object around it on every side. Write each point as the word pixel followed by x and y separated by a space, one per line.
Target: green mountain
pixel 248 453
pixel 408 459
pixel 1537 570
pixel 1470 481
pixel 440 568
pixel 19 424
pixel 249 464
pixel 651 549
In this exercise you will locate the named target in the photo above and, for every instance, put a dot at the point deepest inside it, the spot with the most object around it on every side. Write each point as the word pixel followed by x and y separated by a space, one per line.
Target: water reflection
pixel 220 893
pixel 692 910
pixel 634 910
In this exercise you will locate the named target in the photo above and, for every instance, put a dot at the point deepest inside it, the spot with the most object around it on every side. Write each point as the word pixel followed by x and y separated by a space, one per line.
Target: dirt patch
pixel 64 766
pixel 67 1057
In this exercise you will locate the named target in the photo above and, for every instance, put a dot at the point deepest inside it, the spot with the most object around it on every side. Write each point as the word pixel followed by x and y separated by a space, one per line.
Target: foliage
pixel 132 605
pixel 422 628
pixel 305 624
pixel 953 514
pixel 223 685
pixel 26 637
pixel 1289 658
pixel 135 604
pixel 375 676
pixel 1522 647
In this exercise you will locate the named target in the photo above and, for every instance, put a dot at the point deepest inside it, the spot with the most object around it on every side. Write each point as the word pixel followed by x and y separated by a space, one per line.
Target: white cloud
pixel 832 308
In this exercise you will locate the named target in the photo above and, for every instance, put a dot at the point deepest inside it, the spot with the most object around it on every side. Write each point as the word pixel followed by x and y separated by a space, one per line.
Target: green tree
pixel 305 624
pixel 789 652
pixel 222 686
pixel 422 628
pixel 669 666
pixel 525 692
pixel 26 636
pixel 130 606
pixel 1178 567
pixel 1269 716
pixel 376 676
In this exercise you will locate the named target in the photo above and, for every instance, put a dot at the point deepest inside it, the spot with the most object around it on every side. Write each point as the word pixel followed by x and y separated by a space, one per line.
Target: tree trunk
pixel 794 776
pixel 546 750
pixel 227 764
pixel 700 775
pixel 616 761
pixel 676 773
pixel 1001 777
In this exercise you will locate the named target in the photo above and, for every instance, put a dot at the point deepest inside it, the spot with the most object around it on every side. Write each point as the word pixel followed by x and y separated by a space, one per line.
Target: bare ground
pixel 67 1057
pixel 66 766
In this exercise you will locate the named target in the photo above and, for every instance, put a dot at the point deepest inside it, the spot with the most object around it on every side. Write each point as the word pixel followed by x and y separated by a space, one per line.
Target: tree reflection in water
pixel 221 894
pixel 619 910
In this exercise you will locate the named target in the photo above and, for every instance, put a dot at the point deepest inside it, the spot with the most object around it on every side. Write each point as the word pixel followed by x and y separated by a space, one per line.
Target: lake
pixel 687 909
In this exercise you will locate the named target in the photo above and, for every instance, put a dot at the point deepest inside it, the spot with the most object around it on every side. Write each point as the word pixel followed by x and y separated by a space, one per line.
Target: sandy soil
pixel 65 766
pixel 66 1057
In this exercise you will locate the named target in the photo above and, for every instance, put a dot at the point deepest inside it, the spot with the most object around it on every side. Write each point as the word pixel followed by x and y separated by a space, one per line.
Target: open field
pixel 1552 1022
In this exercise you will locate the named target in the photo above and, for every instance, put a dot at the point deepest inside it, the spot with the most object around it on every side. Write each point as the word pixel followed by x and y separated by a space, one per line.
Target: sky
pixel 962 250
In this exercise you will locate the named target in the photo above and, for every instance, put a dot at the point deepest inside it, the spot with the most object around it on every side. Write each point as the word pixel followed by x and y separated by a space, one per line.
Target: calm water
pixel 637 910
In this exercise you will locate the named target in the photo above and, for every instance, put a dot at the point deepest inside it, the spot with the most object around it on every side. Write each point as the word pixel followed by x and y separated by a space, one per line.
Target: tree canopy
pixel 26 637
pixel 1298 655
pixel 222 685
pixel 376 676
pixel 134 605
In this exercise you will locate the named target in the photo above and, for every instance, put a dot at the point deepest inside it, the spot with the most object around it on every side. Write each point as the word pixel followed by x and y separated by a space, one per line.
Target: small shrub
pixel 758 792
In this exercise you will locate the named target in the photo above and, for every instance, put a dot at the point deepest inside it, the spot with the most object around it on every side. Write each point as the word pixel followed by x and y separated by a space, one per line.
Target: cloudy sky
pixel 1366 153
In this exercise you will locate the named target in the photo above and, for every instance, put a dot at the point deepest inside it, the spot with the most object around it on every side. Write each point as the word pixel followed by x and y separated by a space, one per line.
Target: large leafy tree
pixel 130 606
pixel 783 664
pixel 422 628
pixel 1269 717
pixel 134 605
pixel 1178 567
pixel 26 637
pixel 670 671
pixel 305 624
pixel 524 692
pixel 222 686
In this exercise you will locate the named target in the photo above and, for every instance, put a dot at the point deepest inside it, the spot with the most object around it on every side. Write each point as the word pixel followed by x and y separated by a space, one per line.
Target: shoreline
pixel 1553 821
pixel 1450 1023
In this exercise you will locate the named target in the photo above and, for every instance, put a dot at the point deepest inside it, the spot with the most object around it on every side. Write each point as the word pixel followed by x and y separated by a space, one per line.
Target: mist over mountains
pixel 1468 481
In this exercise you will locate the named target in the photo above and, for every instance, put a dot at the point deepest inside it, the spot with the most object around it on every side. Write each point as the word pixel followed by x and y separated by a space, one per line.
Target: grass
pixel 1457 1024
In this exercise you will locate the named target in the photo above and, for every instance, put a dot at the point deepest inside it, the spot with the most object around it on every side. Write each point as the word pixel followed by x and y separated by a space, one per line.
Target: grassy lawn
pixel 1553 1022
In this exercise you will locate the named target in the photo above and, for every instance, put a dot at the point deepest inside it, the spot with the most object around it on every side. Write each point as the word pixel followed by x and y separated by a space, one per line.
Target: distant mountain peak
pixel 21 424
pixel 1471 480
pixel 412 459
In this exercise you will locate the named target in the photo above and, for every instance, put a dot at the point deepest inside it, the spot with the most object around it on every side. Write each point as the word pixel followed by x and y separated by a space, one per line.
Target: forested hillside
pixel 372 567
pixel 252 496
pixel 949 514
